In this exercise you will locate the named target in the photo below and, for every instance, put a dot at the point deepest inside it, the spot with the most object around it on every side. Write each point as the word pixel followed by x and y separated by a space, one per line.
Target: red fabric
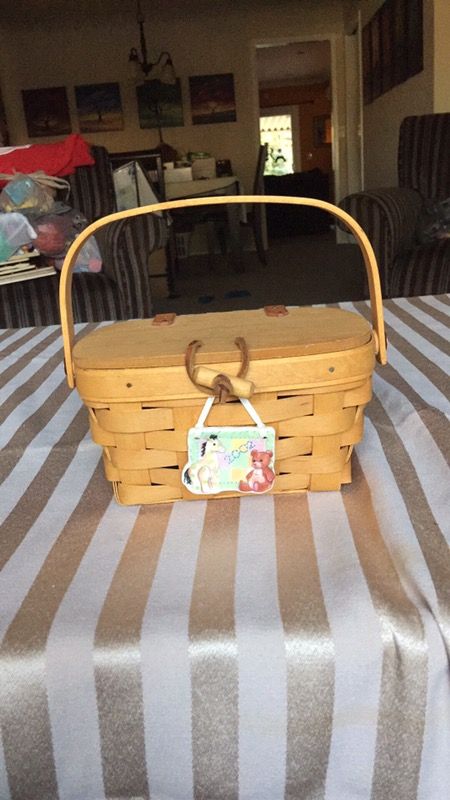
pixel 55 158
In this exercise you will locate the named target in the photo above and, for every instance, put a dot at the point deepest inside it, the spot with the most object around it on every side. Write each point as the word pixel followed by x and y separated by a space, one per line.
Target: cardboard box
pixel 178 175
pixel 203 168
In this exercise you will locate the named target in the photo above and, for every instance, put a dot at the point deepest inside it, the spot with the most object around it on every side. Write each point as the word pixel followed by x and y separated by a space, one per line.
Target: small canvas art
pixel 366 65
pixel 376 55
pixel 212 98
pixel 387 46
pixel 46 111
pixel 415 36
pixel 160 105
pixel 322 130
pixel 99 107
pixel 392 46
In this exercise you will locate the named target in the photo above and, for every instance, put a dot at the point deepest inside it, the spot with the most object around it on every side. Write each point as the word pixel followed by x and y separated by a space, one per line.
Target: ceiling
pixel 294 63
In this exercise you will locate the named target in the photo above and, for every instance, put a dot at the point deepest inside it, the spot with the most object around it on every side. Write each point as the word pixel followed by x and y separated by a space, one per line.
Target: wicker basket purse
pixel 308 373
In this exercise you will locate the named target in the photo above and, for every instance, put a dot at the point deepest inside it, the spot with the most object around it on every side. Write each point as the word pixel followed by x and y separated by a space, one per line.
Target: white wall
pixel 55 44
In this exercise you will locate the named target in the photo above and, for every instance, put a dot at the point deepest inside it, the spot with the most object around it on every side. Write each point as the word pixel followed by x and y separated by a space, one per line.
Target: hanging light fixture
pixel 153 89
pixel 162 69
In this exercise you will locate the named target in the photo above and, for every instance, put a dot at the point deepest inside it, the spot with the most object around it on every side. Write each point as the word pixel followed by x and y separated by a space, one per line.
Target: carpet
pixel 301 270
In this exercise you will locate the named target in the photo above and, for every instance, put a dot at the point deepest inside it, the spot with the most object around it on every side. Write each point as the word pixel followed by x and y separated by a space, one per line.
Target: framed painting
pixel 386 14
pixel 46 111
pixel 322 130
pixel 212 99
pixel 414 35
pixel 400 41
pixel 375 55
pixel 160 105
pixel 99 107
pixel 392 46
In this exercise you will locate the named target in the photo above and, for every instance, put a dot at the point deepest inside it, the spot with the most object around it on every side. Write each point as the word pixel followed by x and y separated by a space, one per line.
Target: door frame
pixel 339 81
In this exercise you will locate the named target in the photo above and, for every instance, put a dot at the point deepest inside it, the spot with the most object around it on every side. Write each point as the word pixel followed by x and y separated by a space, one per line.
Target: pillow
pixel 434 221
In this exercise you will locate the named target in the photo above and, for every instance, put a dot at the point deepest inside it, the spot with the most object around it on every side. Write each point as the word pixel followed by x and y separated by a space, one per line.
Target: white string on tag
pixel 251 411
pixel 204 412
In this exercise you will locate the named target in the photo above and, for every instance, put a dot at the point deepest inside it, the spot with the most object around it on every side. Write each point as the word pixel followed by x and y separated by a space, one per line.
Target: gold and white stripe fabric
pixel 265 648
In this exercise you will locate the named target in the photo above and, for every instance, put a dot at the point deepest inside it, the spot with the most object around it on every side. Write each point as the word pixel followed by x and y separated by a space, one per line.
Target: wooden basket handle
pixel 65 286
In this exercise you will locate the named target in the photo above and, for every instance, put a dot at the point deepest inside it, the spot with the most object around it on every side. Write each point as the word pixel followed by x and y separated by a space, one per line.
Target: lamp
pixel 161 69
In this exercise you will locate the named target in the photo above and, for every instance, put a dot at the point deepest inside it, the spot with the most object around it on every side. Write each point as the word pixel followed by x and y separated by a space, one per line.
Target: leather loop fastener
pixel 164 319
pixel 216 383
pixel 275 311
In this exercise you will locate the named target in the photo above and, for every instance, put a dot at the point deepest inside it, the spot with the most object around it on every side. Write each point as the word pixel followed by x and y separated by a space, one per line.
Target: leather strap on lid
pixel 222 386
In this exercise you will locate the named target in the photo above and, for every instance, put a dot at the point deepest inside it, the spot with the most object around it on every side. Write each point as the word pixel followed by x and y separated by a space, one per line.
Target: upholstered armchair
pixel 391 216
pixel 122 289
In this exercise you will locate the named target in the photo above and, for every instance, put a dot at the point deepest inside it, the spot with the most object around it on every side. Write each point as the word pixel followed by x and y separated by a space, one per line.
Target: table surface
pixel 203 186
pixel 265 647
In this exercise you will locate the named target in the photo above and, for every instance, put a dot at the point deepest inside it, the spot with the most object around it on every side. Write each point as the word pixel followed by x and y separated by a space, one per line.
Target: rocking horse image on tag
pixel 230 459
pixel 201 476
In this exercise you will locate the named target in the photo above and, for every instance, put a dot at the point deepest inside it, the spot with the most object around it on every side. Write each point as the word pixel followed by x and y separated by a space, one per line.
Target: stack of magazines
pixel 23 266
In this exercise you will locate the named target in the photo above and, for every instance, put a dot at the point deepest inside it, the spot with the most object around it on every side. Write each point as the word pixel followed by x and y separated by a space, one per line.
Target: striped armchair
pixel 390 216
pixel 121 290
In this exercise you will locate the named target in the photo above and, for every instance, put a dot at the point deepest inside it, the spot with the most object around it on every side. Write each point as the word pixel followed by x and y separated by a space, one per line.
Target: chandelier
pixel 162 69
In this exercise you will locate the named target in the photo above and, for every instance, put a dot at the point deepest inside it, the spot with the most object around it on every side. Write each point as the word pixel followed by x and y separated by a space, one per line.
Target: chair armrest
pixel 388 217
pixel 125 247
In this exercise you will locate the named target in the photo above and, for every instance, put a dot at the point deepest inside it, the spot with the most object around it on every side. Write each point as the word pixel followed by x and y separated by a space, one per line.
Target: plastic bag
pixel 31 194
pixel 26 195
pixel 15 231
pixel 56 232
pixel 88 259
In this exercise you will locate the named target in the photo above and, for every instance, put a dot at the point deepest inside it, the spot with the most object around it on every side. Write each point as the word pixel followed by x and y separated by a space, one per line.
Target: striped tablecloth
pixel 260 649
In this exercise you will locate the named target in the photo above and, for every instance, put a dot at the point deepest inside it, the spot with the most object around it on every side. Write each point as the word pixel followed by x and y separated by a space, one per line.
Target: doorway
pixel 296 76
pixel 295 112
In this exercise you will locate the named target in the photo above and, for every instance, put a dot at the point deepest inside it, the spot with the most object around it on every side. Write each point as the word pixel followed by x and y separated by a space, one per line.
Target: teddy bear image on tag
pixel 261 476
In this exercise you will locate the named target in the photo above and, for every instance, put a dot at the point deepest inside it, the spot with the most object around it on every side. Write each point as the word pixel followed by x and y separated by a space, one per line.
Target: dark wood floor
pixel 301 270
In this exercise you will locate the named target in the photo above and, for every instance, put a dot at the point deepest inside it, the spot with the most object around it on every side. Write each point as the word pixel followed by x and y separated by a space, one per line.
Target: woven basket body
pixel 141 410
pixel 309 370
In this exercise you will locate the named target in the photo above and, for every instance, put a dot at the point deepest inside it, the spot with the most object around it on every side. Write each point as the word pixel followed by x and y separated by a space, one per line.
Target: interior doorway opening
pixel 295 113
pixel 295 79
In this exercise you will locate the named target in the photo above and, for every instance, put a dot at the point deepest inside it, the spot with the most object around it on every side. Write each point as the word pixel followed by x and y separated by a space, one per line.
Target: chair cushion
pixel 424 270
pixel 30 303
pixel 424 155
pixel 92 188
pixel 96 297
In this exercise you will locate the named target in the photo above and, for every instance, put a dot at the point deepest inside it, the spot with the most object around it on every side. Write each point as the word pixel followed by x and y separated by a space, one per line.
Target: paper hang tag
pixel 230 458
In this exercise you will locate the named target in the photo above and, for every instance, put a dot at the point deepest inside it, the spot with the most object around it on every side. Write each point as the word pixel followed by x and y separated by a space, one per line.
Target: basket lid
pixel 301 331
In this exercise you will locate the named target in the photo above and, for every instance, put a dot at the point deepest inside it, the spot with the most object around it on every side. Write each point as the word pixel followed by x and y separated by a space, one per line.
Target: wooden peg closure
pixel 164 319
